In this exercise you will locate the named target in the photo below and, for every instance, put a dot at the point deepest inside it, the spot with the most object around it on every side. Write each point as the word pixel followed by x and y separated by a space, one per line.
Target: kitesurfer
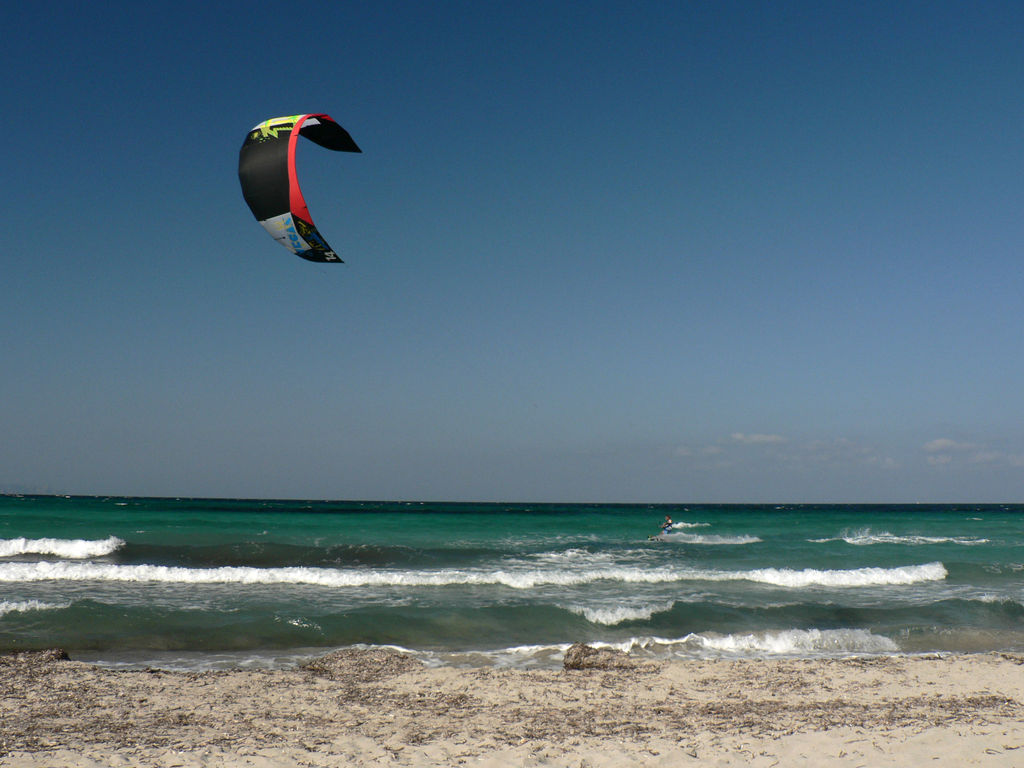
pixel 667 525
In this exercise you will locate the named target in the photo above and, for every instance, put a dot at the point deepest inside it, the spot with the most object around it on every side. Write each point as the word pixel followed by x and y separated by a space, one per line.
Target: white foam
pixel 799 642
pixel 300 623
pixel 73 549
pixel 515 578
pixel 523 578
pixel 796 641
pixel 857 577
pixel 620 613
pixel 22 606
pixel 573 557
pixel 696 538
pixel 789 642
pixel 865 537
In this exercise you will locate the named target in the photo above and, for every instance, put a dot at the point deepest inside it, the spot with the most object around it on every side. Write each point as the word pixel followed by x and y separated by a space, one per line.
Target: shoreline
pixel 372 707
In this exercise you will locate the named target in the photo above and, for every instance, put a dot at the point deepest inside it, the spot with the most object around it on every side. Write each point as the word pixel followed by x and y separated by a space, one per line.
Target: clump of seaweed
pixel 362 665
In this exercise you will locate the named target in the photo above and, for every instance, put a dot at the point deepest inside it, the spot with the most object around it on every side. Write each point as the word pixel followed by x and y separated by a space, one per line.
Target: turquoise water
pixel 197 583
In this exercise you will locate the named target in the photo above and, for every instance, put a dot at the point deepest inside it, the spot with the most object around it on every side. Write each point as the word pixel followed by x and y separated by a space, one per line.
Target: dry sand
pixel 362 708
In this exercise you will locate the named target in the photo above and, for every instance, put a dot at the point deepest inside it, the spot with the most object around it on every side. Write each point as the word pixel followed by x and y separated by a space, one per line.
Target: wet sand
pixel 363 708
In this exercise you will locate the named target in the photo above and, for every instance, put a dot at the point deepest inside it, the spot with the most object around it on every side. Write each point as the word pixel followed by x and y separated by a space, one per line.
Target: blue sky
pixel 627 251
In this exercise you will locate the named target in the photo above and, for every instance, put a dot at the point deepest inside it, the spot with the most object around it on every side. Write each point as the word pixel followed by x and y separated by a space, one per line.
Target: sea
pixel 198 584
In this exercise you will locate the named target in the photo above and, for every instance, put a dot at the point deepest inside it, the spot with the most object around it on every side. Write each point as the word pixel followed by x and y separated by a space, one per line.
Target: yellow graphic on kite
pixel 266 169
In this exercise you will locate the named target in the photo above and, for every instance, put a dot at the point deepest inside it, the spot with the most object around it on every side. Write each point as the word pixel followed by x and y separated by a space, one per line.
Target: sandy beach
pixel 362 708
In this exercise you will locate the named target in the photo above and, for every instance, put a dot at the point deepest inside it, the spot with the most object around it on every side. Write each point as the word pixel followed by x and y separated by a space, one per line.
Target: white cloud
pixel 757 439
pixel 987 457
pixel 998 457
pixel 842 451
pixel 883 462
pixel 943 450
pixel 943 444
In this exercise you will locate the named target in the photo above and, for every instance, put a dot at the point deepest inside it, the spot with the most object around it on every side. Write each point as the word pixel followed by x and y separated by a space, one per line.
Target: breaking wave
pixel 520 578
pixel 857 577
pixel 619 614
pixel 712 539
pixel 796 641
pixel 72 549
pixel 866 537
pixel 23 606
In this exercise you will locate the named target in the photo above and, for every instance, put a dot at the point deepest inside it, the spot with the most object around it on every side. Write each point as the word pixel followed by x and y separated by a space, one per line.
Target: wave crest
pixel 796 641
pixel 525 578
pixel 857 577
pixel 23 606
pixel 866 537
pixel 619 614
pixel 712 539
pixel 71 549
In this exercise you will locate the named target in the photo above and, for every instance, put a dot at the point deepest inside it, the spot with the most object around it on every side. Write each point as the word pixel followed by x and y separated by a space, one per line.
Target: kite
pixel 266 169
